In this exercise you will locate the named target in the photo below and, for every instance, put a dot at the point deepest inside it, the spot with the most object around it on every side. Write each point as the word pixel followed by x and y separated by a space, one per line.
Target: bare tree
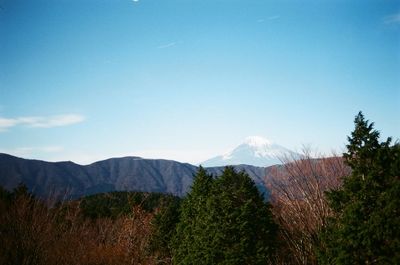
pixel 299 205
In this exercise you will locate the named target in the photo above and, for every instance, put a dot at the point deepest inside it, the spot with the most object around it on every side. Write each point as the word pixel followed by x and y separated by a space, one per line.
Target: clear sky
pixel 188 79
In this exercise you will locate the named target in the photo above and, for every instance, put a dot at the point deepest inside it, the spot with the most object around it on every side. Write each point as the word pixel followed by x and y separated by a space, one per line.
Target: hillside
pixel 70 180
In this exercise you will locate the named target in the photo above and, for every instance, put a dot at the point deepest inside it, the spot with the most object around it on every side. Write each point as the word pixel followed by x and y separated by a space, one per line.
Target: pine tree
pixel 163 230
pixel 243 229
pixel 366 225
pixel 224 221
pixel 187 245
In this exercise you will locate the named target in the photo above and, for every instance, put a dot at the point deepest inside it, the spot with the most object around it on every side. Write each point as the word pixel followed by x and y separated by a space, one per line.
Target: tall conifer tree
pixel 188 242
pixel 366 225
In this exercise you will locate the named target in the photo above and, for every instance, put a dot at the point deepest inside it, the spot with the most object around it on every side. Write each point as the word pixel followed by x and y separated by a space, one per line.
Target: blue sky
pixel 187 80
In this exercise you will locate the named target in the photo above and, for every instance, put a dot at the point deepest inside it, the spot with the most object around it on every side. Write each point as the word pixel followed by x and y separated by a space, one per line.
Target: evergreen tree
pixel 242 228
pixel 366 225
pixel 224 221
pixel 187 243
pixel 164 225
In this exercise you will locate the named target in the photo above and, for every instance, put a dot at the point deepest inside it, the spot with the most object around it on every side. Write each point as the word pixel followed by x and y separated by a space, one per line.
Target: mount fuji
pixel 255 151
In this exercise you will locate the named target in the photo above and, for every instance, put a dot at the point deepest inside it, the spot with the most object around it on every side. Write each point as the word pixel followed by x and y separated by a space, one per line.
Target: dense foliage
pixel 164 225
pixel 115 204
pixel 366 226
pixel 224 221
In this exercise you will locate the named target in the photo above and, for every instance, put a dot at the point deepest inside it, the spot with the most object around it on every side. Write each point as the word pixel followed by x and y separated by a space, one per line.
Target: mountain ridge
pixel 68 179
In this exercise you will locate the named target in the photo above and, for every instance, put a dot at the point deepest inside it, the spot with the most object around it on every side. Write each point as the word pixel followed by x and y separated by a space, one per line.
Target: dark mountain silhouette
pixel 71 180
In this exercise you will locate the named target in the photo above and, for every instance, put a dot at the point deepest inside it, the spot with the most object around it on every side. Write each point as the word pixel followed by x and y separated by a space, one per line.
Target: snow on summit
pixel 255 151
pixel 256 141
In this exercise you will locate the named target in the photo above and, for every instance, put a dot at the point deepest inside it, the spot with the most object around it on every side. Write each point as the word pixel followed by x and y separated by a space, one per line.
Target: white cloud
pixel 168 45
pixel 7 123
pixel 40 121
pixel 274 17
pixel 32 151
pixel 392 19
pixel 52 121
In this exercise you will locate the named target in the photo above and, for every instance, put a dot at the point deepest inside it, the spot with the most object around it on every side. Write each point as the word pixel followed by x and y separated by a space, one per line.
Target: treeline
pixel 120 203
pixel 113 228
pixel 337 210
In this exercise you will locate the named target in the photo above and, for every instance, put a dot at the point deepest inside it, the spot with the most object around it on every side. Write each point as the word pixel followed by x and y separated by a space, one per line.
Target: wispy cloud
pixel 262 20
pixel 29 151
pixel 274 17
pixel 40 121
pixel 392 19
pixel 7 123
pixel 52 121
pixel 168 45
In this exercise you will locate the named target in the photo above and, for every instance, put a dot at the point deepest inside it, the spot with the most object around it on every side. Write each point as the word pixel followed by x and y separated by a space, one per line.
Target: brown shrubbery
pixel 299 205
pixel 32 233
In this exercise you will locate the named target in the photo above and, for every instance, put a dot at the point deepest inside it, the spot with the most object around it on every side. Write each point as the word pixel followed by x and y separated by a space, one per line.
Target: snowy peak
pixel 255 151
pixel 257 141
pixel 261 147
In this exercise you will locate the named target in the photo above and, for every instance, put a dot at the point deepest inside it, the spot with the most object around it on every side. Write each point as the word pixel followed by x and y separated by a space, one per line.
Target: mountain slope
pixel 70 180
pixel 73 180
pixel 255 151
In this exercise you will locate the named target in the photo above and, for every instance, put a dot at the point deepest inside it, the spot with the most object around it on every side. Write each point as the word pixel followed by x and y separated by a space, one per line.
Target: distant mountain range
pixel 256 151
pixel 70 180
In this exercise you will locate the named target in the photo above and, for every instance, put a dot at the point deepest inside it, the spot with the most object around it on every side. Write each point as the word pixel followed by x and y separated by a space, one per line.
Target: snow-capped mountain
pixel 255 151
